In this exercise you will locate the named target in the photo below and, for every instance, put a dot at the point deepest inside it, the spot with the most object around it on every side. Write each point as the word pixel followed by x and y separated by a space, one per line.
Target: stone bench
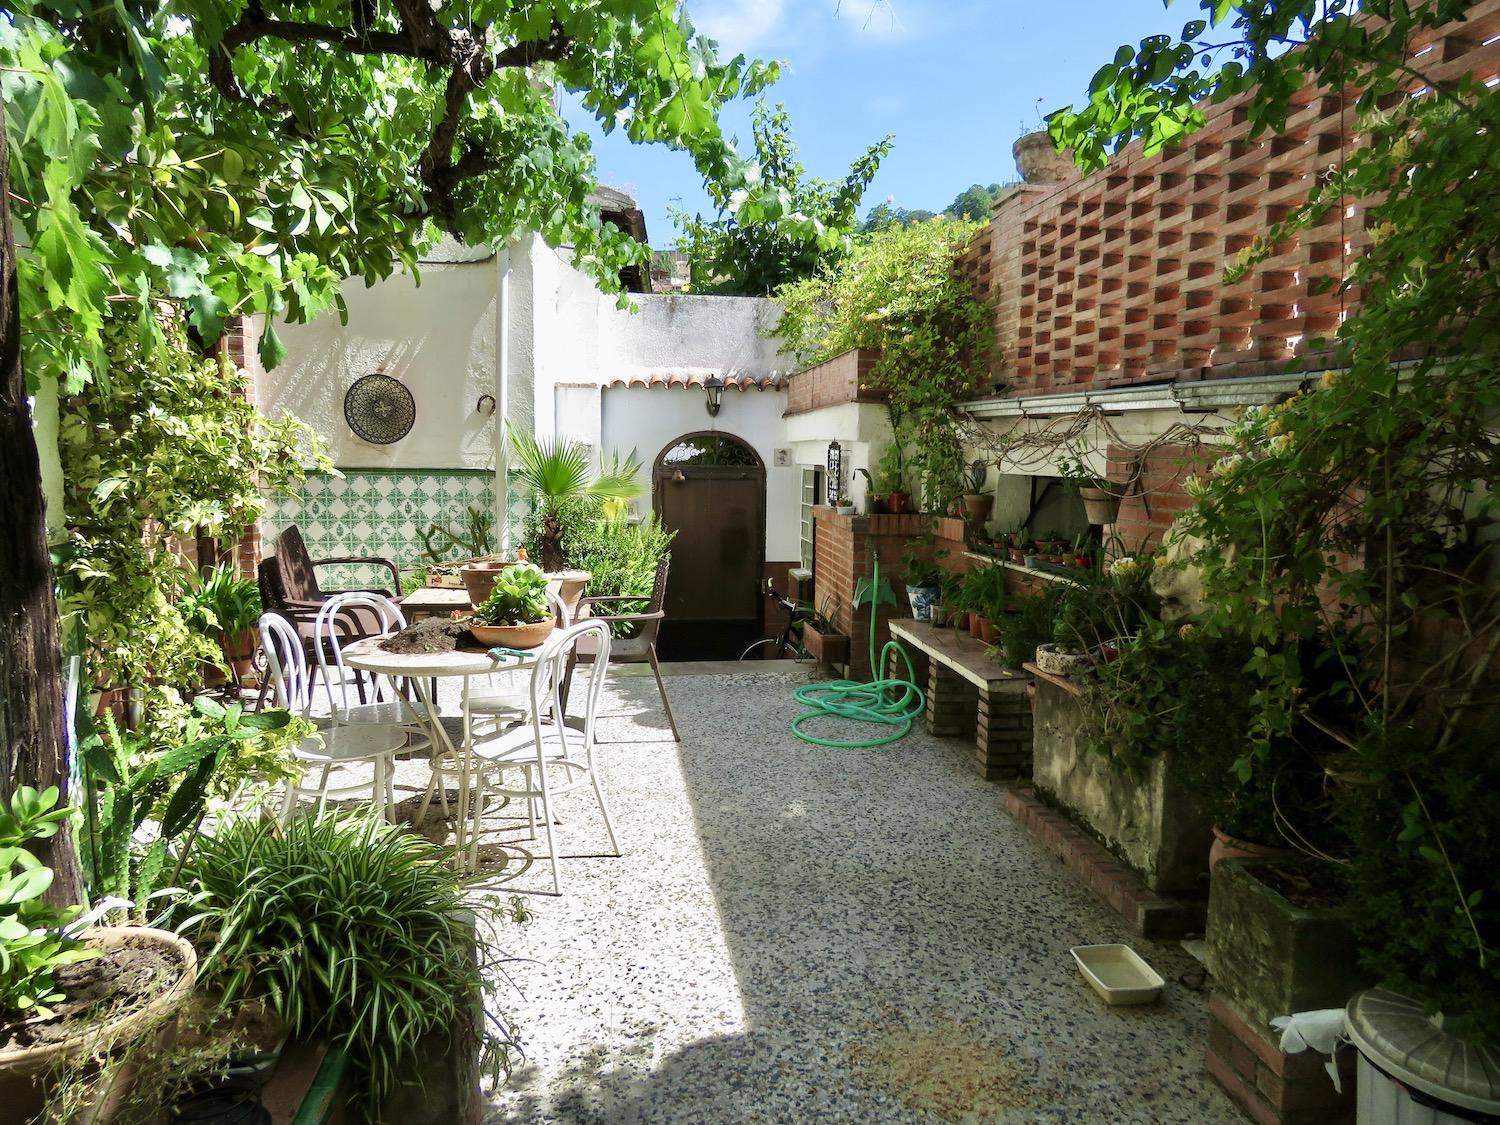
pixel 967 691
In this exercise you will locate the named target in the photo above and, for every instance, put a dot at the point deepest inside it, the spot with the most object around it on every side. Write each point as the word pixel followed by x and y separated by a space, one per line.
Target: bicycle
pixel 786 645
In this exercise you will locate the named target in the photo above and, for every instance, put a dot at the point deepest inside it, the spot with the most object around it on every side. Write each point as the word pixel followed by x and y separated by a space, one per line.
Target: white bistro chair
pixel 510 703
pixel 336 744
pixel 553 757
pixel 500 706
pixel 385 704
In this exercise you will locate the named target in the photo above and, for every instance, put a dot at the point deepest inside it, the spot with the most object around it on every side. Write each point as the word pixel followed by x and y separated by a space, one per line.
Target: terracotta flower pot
pixel 28 1074
pixel 976 625
pixel 825 648
pixel 529 635
pixel 977 506
pixel 479 578
pixel 899 503
pixel 1102 505
pixel 986 630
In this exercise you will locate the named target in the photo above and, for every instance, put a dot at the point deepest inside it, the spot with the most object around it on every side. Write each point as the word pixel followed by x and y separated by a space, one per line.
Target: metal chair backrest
pixel 554 599
pixel 550 674
pixel 344 616
pixel 286 660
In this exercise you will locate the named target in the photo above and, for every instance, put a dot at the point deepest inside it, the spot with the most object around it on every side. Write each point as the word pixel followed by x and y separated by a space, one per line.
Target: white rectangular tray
pixel 1117 973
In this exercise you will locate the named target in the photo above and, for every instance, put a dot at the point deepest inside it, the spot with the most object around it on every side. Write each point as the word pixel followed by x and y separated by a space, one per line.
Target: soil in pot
pixel 99 990
pixel 433 635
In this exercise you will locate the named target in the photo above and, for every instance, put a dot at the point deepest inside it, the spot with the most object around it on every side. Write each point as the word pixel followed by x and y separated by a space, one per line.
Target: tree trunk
pixel 30 660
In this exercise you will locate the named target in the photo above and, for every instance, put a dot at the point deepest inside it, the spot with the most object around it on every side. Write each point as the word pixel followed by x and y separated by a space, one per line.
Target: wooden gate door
pixel 710 489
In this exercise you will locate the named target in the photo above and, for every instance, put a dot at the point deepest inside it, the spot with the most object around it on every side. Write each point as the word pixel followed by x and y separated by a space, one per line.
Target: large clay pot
pixel 1039 162
pixel 976 625
pixel 1102 505
pixel 239 650
pixel 513 636
pixel 1226 846
pixel 479 578
pixel 899 503
pixel 27 1074
pixel 570 585
pixel 977 507
pixel 1058 661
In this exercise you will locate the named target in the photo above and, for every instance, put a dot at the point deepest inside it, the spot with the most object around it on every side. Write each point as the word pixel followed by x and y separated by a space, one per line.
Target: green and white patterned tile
pixel 379 513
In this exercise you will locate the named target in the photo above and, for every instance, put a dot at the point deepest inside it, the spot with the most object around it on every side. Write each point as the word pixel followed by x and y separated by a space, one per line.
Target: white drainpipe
pixel 502 410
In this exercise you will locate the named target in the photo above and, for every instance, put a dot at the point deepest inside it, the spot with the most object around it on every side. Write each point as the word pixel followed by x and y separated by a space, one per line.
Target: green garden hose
pixel 892 703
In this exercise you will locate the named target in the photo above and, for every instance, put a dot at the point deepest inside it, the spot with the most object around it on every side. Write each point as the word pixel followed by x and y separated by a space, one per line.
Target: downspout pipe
pixel 502 395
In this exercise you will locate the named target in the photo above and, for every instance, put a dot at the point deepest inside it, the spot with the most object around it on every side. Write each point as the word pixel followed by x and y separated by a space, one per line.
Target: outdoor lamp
pixel 713 386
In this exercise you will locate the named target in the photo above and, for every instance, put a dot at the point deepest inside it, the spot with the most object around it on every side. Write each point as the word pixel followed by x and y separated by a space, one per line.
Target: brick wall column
pixel 1272 1087
pixel 951 701
pixel 1003 734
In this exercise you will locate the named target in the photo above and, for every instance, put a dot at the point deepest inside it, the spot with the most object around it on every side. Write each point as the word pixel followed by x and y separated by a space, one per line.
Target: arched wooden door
pixel 710 488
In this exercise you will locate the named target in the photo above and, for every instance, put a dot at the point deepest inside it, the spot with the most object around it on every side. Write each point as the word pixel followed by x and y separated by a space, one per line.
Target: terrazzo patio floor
pixel 797 934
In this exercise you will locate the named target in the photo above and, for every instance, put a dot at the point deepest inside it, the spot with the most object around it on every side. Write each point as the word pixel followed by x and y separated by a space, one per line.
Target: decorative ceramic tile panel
pixel 377 512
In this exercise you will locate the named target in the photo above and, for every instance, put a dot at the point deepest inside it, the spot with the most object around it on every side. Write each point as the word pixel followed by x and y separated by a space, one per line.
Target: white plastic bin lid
pixel 1395 1033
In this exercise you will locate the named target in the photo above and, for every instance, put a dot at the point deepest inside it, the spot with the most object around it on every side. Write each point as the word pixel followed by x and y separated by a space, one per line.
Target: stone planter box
pixel 1150 821
pixel 1272 958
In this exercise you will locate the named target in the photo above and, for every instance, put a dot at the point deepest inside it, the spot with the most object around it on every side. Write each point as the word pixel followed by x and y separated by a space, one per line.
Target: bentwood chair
pixel 336 745
pixel 554 758
pixel 340 621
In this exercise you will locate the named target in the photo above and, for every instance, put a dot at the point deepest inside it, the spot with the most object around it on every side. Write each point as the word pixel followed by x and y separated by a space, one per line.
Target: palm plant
pixel 557 472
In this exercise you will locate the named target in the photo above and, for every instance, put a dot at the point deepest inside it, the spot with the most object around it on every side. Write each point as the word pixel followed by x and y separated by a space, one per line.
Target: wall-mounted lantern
pixel 833 478
pixel 713 388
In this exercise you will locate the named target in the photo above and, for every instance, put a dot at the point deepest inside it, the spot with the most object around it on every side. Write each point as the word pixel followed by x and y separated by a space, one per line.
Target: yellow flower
pixel 1124 566
pixel 1186 631
pixel 1329 379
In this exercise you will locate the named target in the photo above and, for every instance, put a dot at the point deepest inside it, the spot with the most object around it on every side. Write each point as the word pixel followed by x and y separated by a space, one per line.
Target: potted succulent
pixel 223 606
pixel 1016 549
pixel 70 994
pixel 843 505
pixel 976 502
pixel 821 636
pixel 1101 496
pixel 516 613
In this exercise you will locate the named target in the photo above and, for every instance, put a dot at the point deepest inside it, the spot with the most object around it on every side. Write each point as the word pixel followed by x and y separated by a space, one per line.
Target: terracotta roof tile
pixel 694 380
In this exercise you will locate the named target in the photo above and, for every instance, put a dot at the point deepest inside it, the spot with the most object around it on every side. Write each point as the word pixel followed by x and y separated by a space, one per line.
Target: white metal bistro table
pixel 422 667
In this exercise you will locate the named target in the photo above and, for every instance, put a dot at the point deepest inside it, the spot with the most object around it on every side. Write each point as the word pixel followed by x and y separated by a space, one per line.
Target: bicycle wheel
pixel 769 648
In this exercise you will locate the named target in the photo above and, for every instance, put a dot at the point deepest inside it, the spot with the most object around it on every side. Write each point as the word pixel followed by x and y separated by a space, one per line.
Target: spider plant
pixel 559 471
pixel 347 926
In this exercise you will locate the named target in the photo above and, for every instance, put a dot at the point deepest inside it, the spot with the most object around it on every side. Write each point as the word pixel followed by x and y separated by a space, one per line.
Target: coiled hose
pixel 891 703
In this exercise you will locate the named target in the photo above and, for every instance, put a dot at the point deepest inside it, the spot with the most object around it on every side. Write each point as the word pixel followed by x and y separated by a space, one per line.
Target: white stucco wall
pixel 649 419
pixel 438 338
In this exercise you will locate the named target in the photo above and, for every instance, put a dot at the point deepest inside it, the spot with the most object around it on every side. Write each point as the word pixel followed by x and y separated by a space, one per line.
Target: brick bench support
pixel 968 694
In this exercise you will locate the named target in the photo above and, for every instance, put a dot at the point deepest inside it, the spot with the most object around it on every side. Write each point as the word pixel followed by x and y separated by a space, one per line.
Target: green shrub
pixel 349 927
pixel 1425 820
pixel 621 557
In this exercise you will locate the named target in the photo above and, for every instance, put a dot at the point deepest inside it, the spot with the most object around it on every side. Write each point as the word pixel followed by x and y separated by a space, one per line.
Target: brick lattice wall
pixel 1117 277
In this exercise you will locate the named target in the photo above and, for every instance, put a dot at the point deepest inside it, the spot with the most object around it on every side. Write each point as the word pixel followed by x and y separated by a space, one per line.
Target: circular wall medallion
pixel 379 409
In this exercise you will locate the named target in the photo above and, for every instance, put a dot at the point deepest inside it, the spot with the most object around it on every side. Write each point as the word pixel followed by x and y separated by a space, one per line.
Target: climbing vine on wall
pixel 167 445
pixel 900 294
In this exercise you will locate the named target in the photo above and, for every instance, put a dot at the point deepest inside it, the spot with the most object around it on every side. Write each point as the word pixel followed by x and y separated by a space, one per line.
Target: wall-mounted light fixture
pixel 713 388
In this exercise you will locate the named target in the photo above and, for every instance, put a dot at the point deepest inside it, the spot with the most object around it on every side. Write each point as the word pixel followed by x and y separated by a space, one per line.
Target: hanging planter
pixel 1101 501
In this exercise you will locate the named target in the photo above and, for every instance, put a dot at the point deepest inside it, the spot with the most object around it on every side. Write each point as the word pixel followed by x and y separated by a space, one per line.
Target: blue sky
pixel 956 81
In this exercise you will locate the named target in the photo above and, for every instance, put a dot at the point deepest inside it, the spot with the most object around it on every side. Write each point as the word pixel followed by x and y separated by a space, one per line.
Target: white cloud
pixel 739 25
